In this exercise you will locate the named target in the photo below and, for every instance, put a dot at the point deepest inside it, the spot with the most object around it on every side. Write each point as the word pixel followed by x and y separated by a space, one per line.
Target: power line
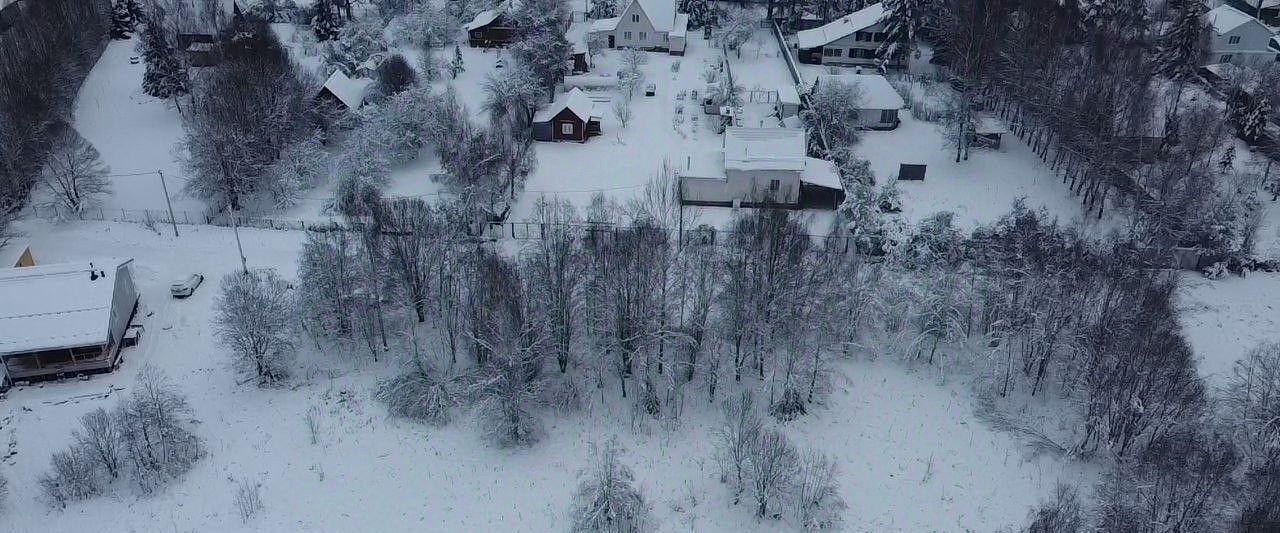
pixel 131 175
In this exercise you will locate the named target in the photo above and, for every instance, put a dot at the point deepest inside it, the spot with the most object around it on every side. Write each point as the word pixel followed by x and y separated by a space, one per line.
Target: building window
pixel 566 128
pixel 642 36
pixel 832 52
pixel 880 36
pixel 1234 39
pixel 888 116
pixel 626 35
pixel 860 36
pixel 774 185
pixel 1226 58
pixel 635 17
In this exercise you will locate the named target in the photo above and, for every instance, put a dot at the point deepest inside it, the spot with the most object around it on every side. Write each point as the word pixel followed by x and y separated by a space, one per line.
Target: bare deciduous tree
pixel 736 439
pixel 255 311
pixel 74 173
pixel 154 429
pixel 99 436
pixel 819 506
pixel 73 476
pixel 772 468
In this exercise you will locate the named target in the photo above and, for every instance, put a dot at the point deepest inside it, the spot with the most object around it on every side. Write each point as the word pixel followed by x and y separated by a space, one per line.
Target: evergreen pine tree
pixel 165 76
pixel 1183 48
pixel 455 66
pixel 121 20
pixel 903 22
pixel 1254 123
pixel 326 22
pixel 136 14
pixel 699 12
pixel 603 9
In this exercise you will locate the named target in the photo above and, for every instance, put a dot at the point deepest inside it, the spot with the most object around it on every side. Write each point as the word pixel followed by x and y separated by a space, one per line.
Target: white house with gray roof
pixel 646 25
pixel 1238 38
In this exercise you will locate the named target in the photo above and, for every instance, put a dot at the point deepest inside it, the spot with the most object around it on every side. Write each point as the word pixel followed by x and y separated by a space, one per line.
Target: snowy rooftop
pixel 661 13
pixel 608 24
pixel 1225 18
pixel 575 101
pixel 681 25
pixel 877 92
pixel 703 164
pixel 787 94
pixel 484 18
pixel 11 252
pixel 577 36
pixel 350 91
pixel 821 172
pixel 764 149
pixel 56 306
pixel 842 27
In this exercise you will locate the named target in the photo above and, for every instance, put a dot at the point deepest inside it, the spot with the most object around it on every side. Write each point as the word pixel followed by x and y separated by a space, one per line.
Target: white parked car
pixel 187 286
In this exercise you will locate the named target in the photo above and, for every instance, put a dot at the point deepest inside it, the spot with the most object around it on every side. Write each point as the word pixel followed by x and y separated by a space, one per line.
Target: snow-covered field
pixel 912 456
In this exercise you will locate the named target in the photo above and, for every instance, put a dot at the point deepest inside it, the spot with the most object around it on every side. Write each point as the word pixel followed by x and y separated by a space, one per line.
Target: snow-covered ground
pixel 1226 318
pixel 978 190
pixel 912 457
pixel 135 133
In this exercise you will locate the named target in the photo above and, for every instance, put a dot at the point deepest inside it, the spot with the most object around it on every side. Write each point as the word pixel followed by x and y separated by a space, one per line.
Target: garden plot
pixel 978 190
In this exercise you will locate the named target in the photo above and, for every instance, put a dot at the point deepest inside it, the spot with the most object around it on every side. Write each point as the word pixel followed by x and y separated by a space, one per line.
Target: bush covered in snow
pixel 607 499
pixel 420 394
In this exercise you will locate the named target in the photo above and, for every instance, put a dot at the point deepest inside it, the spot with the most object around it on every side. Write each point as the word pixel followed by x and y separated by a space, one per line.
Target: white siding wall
pixel 1251 47
pixel 631 24
pixel 850 46
pixel 746 186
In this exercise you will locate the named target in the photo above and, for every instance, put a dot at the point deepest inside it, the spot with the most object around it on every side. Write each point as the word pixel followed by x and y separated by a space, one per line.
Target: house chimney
pixel 688 162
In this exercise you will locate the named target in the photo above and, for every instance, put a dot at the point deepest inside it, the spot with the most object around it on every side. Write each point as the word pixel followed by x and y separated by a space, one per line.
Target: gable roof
pixel 486 17
pixel 350 92
pixel 483 18
pixel 56 306
pixel 576 101
pixel 1224 18
pixel 842 27
pixel 877 92
pixel 10 253
pixel 661 13
pixel 764 149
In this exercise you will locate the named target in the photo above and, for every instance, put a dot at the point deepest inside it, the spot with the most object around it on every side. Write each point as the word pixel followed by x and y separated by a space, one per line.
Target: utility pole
pixel 164 186
pixel 235 227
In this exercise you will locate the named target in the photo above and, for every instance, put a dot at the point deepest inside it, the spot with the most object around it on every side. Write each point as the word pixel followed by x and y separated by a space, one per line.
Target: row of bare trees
pixel 46 51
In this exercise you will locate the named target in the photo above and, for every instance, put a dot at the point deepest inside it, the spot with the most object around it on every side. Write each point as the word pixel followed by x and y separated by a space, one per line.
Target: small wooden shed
pixel 201 49
pixel 491 28
pixel 572 117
